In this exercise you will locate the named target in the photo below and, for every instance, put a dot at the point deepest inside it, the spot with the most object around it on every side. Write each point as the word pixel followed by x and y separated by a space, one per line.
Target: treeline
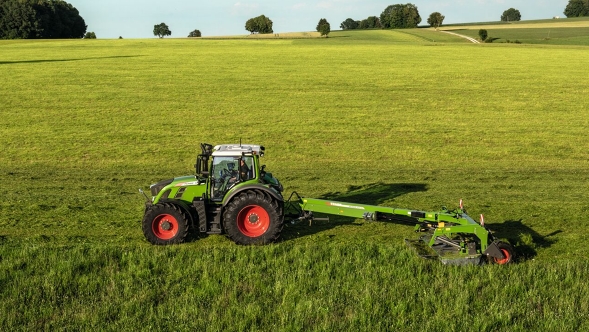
pixel 372 22
pixel 29 19
pixel 393 17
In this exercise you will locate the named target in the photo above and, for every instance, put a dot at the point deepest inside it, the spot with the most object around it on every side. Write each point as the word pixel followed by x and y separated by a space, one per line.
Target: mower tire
pixel 253 217
pixel 507 251
pixel 165 223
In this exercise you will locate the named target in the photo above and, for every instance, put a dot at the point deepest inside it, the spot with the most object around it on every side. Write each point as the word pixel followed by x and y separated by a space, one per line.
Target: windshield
pixel 228 171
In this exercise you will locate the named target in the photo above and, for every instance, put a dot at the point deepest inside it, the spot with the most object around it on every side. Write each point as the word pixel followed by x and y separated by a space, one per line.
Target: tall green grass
pixel 290 286
pixel 389 119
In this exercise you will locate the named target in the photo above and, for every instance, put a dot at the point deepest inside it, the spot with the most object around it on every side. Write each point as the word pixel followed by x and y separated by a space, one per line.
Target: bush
pixel 195 33
pixel 90 35
pixel 483 34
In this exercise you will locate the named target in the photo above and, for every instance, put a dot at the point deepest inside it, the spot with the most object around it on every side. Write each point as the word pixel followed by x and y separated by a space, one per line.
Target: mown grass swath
pixel 380 117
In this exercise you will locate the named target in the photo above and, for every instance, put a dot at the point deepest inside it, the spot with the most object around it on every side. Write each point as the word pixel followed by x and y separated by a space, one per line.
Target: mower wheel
pixel 165 223
pixel 253 217
pixel 507 251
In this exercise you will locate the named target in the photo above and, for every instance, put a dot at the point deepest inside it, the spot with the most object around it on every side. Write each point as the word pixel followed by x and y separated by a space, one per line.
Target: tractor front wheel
pixel 165 223
pixel 507 251
pixel 252 218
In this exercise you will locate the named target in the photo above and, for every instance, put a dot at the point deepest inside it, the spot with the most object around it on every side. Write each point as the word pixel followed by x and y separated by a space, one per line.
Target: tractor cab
pixel 229 166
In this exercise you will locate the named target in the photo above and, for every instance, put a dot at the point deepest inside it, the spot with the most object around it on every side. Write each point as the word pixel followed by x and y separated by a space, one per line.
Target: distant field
pixel 397 118
pixel 557 31
pixel 287 35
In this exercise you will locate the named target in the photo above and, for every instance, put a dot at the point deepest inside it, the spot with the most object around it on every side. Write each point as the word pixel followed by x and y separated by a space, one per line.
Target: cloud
pixel 300 5
pixel 325 4
pixel 239 5
pixel 244 8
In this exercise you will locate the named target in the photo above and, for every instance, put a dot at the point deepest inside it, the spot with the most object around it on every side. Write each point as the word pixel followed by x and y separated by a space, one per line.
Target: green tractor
pixel 231 193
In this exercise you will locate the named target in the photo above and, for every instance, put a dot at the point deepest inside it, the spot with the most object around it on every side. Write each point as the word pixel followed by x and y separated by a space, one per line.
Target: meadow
pixel 379 117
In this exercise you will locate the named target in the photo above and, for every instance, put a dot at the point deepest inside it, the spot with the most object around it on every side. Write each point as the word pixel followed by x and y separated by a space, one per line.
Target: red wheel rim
pixel 504 260
pixel 165 226
pixel 253 221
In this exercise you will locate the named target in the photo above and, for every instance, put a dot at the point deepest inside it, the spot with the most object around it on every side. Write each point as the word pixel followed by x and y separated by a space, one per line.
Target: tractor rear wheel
pixel 507 251
pixel 165 223
pixel 253 218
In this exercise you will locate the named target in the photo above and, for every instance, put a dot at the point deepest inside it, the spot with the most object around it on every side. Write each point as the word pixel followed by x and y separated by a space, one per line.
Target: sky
pixel 136 18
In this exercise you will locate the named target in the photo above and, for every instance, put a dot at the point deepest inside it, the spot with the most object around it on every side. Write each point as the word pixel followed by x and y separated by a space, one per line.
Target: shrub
pixel 483 34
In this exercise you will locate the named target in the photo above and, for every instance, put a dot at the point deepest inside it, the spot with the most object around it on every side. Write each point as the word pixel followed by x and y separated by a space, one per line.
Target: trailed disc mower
pixel 233 194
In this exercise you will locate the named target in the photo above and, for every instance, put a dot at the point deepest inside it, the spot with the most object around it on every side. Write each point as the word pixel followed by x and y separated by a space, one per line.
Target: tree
pixel 483 34
pixel 161 30
pixel 323 27
pixel 321 22
pixel 349 24
pixel 577 8
pixel 90 35
pixel 400 16
pixel 511 15
pixel 40 19
pixel 260 24
pixel 435 20
pixel 373 22
pixel 195 33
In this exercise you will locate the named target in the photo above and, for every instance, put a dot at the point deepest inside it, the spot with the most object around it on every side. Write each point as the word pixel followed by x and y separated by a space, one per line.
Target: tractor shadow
pixel 371 194
pixel 525 240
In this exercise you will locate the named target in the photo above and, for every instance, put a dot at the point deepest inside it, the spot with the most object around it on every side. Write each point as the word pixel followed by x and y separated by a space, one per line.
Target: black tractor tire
pixel 165 223
pixel 507 251
pixel 253 217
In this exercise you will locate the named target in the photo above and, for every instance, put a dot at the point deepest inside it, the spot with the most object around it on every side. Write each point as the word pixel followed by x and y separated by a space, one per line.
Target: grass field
pixel 377 117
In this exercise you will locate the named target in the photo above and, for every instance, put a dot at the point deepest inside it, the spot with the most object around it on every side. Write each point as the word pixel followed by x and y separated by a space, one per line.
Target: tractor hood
pixel 175 182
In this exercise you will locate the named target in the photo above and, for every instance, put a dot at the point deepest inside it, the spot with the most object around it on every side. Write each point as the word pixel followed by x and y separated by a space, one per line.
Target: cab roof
pixel 238 150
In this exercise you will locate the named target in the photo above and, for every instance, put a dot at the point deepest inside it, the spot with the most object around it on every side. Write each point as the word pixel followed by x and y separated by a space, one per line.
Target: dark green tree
pixel 577 8
pixel 90 35
pixel 511 15
pixel 483 34
pixel 391 17
pixel 195 33
pixel 321 22
pixel 349 24
pixel 363 24
pixel 400 16
pixel 250 25
pixel 435 20
pixel 323 27
pixel 40 19
pixel 161 30
pixel 260 24
pixel 18 20
pixel 373 22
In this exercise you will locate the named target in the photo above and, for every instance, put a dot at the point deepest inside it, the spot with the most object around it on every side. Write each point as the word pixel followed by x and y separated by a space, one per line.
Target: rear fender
pixel 256 187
